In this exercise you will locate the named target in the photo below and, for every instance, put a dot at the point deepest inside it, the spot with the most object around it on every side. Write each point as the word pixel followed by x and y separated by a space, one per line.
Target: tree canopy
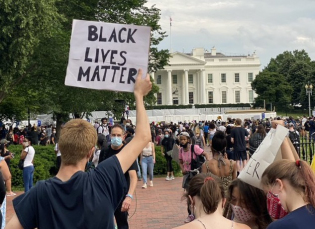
pixel 283 80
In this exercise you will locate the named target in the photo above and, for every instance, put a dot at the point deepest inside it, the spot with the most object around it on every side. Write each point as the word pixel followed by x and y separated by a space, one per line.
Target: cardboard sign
pixel 107 56
pixel 267 152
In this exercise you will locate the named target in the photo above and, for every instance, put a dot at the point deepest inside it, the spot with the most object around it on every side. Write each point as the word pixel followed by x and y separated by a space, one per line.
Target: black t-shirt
pixel 168 143
pixel 239 133
pixel 107 153
pixel 301 218
pixel 229 144
pixel 87 200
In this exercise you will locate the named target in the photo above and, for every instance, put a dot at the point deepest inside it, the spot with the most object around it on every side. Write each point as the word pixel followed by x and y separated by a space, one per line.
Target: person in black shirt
pixel 167 145
pixel 78 199
pixel 121 213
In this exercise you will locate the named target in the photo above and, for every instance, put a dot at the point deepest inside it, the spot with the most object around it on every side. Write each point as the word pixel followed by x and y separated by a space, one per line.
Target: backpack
pixel 198 161
pixel 294 137
pixel 307 126
pixel 198 141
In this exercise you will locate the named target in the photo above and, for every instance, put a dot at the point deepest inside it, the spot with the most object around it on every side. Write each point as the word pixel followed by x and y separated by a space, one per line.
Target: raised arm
pixel 143 134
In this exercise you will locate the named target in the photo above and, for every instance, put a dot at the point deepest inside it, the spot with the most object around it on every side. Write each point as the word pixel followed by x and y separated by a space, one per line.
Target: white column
pixel 186 91
pixel 169 93
pixel 197 85
pixel 202 86
pixel 152 75
pixel 183 102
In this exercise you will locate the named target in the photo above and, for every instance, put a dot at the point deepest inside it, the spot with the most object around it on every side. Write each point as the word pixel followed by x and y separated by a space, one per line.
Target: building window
pixel 237 96
pixel 210 79
pixel 175 101
pixel 159 79
pixel 223 96
pixel 174 79
pixel 191 97
pixel 190 79
pixel 250 77
pixel 223 78
pixel 237 77
pixel 159 98
pixel 251 96
pixel 210 96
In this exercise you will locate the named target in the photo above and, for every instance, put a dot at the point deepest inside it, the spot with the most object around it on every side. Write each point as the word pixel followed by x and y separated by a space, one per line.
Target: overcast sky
pixel 268 27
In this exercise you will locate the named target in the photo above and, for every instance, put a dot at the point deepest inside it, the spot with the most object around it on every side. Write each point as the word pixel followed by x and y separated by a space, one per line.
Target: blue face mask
pixel 116 141
pixel 166 135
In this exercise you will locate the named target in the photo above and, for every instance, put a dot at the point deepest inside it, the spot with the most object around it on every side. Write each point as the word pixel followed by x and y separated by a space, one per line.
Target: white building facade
pixel 206 78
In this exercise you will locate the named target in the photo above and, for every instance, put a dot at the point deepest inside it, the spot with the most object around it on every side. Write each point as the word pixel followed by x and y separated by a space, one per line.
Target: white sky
pixel 268 27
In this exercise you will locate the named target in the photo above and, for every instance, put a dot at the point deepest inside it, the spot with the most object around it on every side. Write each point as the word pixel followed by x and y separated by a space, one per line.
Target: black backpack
pixel 198 161
pixel 294 137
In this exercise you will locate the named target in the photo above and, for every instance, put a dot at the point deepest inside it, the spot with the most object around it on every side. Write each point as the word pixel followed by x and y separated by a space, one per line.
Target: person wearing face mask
pixel 167 145
pixel 290 188
pixel 247 205
pixel 206 198
pixel 147 162
pixel 185 157
pixel 27 155
pixel 53 137
pixel 43 137
pixel 103 129
pixel 117 138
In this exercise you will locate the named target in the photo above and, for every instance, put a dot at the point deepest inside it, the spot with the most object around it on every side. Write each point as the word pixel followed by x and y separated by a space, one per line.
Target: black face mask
pixel 183 145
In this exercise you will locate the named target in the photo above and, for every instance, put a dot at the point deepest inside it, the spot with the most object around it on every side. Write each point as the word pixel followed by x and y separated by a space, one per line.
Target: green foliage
pixel 44 162
pixel 294 70
pixel 23 24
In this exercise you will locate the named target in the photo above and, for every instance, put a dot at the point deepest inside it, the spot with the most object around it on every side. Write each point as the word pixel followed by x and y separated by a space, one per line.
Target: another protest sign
pixel 267 152
pixel 107 56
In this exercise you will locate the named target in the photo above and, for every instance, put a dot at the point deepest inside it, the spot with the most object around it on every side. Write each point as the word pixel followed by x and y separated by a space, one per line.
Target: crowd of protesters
pixel 231 143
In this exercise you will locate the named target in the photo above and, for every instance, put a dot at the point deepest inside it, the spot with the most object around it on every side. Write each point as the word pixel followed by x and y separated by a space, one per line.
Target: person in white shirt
pixel 58 154
pixel 103 129
pixel 27 155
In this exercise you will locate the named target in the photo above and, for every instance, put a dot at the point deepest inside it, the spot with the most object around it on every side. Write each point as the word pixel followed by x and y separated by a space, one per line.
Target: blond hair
pixel 77 138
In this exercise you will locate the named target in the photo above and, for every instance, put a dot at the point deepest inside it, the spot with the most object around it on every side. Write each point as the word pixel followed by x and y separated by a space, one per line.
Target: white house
pixel 204 77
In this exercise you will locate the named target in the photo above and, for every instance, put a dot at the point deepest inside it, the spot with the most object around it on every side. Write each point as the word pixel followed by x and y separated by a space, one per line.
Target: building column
pixel 186 91
pixel 169 93
pixel 183 102
pixel 152 75
pixel 202 86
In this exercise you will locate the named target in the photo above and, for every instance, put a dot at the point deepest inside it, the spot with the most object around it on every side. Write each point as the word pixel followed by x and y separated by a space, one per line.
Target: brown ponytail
pixel 209 189
pixel 299 174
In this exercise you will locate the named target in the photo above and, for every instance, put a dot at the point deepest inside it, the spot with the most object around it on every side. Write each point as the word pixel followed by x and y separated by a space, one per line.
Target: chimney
pixel 213 51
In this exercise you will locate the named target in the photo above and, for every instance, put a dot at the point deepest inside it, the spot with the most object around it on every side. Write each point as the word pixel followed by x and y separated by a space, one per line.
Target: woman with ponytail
pixel 206 198
pixel 219 165
pixel 290 188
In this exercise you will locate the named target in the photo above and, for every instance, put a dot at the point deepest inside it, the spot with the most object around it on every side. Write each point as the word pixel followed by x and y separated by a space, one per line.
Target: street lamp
pixel 309 88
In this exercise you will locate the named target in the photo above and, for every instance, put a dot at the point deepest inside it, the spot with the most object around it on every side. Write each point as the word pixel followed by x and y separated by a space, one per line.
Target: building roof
pixel 218 55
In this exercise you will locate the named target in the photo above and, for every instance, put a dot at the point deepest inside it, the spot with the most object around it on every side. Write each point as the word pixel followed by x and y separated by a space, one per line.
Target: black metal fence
pixel 305 149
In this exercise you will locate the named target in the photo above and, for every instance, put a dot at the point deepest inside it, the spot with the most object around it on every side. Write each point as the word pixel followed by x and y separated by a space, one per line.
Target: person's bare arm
pixel 143 134
pixel 14 223
pixel 133 184
pixel 5 170
pixel 153 152
pixel 232 140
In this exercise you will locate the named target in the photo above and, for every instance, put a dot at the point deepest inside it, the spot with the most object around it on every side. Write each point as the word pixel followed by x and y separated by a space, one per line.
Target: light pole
pixel 309 88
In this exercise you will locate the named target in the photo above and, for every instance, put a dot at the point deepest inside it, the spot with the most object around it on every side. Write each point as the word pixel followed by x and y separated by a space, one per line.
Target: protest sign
pixel 267 152
pixel 107 56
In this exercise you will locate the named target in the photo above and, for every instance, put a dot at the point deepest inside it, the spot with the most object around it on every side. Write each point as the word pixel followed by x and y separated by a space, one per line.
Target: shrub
pixel 45 164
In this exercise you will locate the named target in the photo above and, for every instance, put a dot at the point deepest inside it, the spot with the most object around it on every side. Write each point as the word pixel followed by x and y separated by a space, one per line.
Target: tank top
pixel 225 180
pixel 147 151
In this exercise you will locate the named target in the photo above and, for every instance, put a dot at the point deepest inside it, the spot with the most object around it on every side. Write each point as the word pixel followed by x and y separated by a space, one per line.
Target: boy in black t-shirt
pixel 78 199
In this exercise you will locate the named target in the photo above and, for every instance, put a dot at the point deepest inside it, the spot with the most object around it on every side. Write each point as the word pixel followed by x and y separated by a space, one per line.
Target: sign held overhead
pixel 107 56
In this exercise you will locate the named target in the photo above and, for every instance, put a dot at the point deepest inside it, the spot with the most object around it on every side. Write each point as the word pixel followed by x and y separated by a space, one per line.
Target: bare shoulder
pixel 241 226
pixel 194 224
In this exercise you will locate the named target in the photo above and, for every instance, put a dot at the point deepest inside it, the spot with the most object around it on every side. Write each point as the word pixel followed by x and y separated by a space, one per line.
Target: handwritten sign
pixel 107 56
pixel 267 152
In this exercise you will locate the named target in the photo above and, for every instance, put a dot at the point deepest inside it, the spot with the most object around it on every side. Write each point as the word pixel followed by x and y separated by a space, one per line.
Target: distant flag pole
pixel 170 34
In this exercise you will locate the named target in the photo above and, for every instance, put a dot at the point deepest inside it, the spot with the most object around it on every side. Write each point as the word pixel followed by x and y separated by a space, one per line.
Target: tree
pixel 297 69
pixel 23 24
pixel 273 88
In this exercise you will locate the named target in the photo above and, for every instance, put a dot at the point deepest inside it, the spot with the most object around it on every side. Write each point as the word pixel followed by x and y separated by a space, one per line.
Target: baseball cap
pixel 4 141
pixel 184 134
